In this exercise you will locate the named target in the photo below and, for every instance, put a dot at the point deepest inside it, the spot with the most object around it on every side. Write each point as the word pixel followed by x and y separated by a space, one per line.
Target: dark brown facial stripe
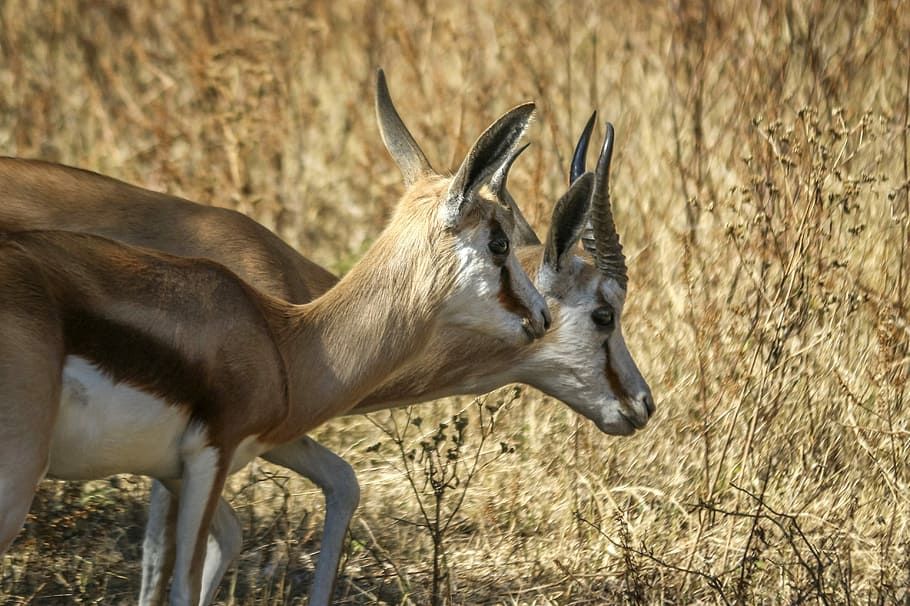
pixel 612 378
pixel 507 297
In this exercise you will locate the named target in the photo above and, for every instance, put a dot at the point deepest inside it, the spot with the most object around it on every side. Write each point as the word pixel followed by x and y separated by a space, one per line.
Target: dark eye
pixel 603 317
pixel 499 246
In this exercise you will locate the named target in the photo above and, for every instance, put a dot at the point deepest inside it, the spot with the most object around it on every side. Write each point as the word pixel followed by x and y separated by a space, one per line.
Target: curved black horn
pixel 599 237
pixel 581 150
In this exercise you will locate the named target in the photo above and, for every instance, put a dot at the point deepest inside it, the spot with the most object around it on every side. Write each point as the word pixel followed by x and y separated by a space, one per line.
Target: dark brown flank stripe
pixel 207 374
pixel 128 355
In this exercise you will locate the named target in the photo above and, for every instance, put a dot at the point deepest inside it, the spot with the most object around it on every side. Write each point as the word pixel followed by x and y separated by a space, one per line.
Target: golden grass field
pixel 761 185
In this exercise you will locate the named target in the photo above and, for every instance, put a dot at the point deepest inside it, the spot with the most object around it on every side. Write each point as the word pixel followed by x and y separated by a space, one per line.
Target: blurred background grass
pixel 761 191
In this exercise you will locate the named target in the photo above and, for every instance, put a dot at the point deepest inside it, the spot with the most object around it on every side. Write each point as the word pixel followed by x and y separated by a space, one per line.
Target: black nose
pixel 546 319
pixel 649 403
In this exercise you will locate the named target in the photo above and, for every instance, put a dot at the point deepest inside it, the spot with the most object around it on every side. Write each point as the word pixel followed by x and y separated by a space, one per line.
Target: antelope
pixel 208 372
pixel 570 363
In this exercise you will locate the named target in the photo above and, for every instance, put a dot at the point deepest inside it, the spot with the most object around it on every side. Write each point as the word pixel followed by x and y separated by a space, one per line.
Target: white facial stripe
pixel 478 301
pixel 571 362
pixel 569 365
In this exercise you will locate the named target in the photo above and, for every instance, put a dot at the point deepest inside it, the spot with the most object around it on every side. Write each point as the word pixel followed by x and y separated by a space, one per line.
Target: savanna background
pixel 761 192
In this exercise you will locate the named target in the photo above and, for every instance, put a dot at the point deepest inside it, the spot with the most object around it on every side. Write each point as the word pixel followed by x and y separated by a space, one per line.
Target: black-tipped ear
pixel 569 219
pixel 407 154
pixel 488 153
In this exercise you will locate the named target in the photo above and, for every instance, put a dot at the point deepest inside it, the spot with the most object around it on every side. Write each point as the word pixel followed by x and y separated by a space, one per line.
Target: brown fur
pixel 194 334
pixel 243 364
pixel 105 319
pixel 507 297
pixel 179 332
pixel 31 360
pixel 458 357
pixel 41 195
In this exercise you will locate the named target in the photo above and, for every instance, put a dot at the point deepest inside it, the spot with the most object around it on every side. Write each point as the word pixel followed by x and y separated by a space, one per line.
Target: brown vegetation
pixel 762 191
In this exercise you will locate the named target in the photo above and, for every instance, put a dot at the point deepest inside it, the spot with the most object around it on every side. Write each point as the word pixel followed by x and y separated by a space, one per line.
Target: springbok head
pixel 488 291
pixel 584 360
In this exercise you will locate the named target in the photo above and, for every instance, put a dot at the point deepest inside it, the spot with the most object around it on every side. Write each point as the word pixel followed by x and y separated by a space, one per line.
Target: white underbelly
pixel 105 428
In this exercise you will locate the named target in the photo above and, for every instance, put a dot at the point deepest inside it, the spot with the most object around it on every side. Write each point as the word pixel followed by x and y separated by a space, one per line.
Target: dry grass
pixel 761 186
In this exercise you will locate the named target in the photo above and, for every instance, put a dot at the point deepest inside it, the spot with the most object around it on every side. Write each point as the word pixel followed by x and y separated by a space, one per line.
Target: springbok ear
pixel 489 152
pixel 407 154
pixel 522 234
pixel 569 219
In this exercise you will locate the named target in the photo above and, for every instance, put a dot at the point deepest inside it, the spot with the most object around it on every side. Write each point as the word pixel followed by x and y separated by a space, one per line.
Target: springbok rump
pixel 211 373
pixel 571 363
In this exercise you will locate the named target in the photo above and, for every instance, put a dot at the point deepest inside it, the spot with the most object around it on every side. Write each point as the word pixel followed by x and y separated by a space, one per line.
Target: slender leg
pixel 30 371
pixel 224 543
pixel 342 494
pixel 308 458
pixel 160 545
pixel 21 468
pixel 204 472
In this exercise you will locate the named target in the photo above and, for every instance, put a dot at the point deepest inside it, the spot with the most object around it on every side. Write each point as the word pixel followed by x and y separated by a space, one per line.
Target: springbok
pixel 570 363
pixel 208 372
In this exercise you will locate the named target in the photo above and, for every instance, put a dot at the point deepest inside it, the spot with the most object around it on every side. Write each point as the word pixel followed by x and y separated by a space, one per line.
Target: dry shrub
pixel 762 191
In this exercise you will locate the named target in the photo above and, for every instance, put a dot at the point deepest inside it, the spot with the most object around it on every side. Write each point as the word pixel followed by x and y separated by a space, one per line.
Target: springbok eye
pixel 603 317
pixel 499 246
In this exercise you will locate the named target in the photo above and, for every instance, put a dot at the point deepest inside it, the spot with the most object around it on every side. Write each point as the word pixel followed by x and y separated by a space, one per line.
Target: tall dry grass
pixel 762 190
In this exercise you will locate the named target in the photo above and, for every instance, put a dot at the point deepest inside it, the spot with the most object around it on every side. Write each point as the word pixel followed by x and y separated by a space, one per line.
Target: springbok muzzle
pixel 519 296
